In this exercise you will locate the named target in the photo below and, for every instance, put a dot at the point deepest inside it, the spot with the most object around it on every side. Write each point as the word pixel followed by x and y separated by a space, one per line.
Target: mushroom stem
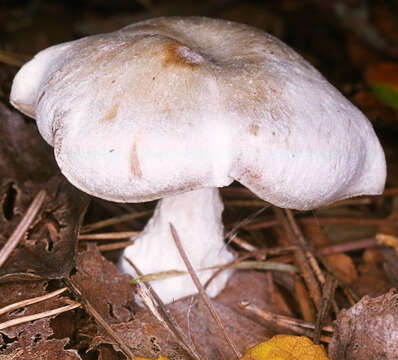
pixel 197 217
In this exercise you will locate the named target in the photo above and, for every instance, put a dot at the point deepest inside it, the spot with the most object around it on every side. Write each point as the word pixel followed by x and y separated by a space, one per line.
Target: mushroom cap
pixel 176 104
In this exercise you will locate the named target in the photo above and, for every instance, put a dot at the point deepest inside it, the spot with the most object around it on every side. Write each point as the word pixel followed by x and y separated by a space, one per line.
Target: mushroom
pixel 173 108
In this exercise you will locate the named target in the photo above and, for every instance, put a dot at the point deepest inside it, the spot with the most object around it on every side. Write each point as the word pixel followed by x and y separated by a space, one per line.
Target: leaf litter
pixel 47 256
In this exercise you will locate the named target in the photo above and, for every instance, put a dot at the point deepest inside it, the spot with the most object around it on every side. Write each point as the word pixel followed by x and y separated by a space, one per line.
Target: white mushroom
pixel 172 108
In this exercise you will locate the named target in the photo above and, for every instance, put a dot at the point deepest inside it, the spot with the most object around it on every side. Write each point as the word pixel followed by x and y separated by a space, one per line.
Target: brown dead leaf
pixel 254 286
pixel 28 333
pixel 44 350
pixel 389 254
pixel 106 352
pixel 341 263
pixel 149 339
pixel 367 330
pixel 31 338
pixel 372 278
pixel 104 287
pixel 27 166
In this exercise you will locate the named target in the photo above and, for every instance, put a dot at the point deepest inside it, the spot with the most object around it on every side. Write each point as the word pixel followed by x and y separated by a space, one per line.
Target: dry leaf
pixel 341 263
pixel 159 358
pixel 372 278
pixel 148 338
pixel 27 165
pixel 43 350
pixel 30 333
pixel 286 347
pixel 104 287
pixel 367 330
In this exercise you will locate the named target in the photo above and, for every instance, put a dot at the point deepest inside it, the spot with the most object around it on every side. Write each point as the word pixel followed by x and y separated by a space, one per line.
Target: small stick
pixel 201 291
pixel 165 316
pixel 328 291
pixel 23 225
pixel 325 221
pixel 240 224
pixel 109 235
pixel 305 304
pixel 115 246
pixel 281 318
pixel 352 297
pixel 113 221
pixel 300 258
pixel 347 246
pixel 99 319
pixel 296 325
pixel 302 241
pixel 31 301
pixel 262 253
pixel 244 244
pixel 41 315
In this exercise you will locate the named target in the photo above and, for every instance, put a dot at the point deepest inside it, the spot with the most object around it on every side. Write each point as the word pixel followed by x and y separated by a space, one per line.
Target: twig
pixel 327 297
pixel 296 325
pixel 241 265
pixel 352 297
pixel 303 243
pixel 163 314
pixel 23 225
pixel 300 258
pixel 244 192
pixel 109 235
pixel 261 254
pixel 41 315
pixel 306 306
pixel 202 292
pixel 113 221
pixel 246 221
pixel 115 246
pixel 31 301
pixel 347 246
pixel 325 221
pixel 243 244
pixel 99 319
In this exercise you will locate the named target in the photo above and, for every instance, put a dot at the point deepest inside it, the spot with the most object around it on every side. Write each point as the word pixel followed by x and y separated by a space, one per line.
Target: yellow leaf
pixel 286 347
pixel 159 358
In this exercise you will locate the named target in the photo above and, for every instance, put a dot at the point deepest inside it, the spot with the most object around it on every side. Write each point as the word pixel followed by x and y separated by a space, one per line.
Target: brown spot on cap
pixel 180 55
pixel 135 162
pixel 253 128
pixel 111 112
